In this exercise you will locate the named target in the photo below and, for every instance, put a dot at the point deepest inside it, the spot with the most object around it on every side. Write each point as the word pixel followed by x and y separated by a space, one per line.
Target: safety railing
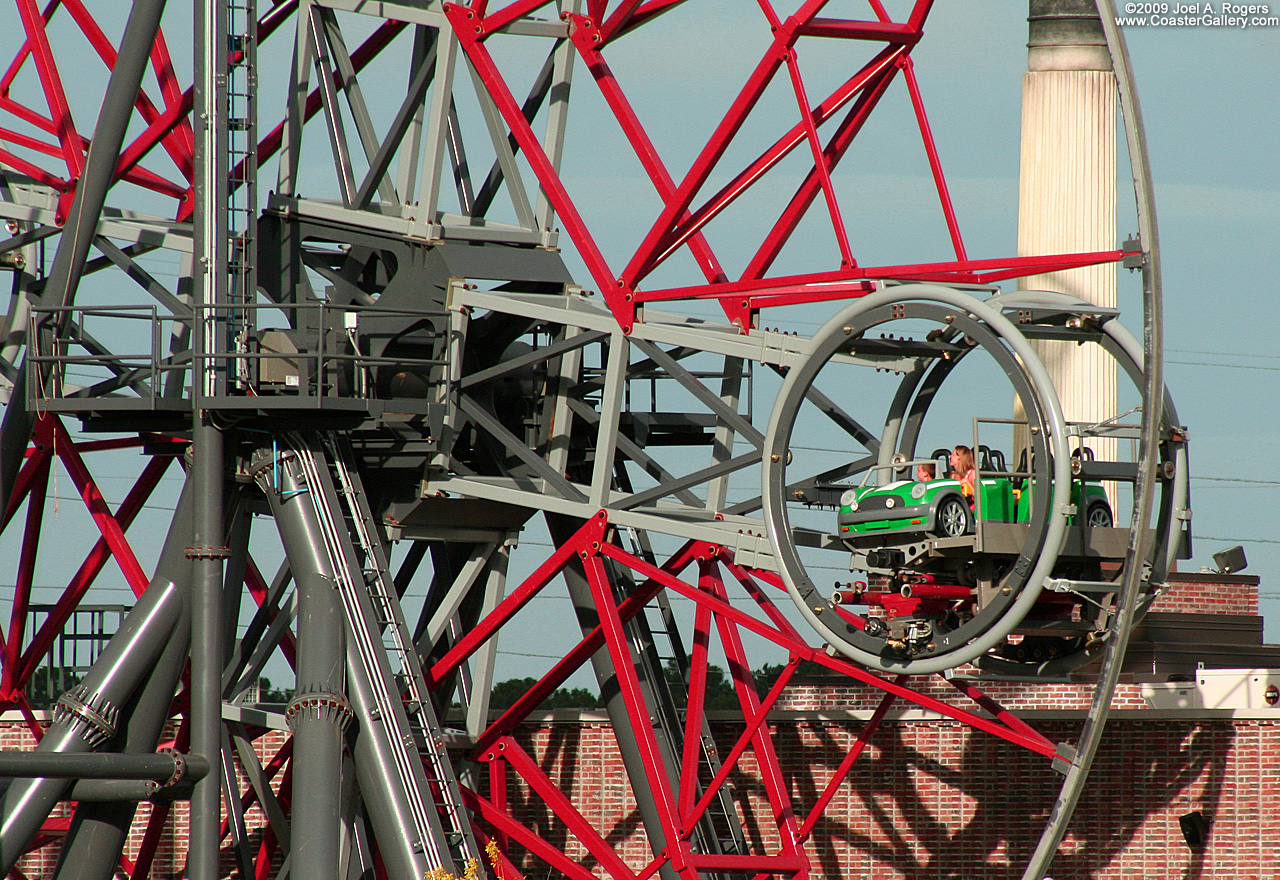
pixel 264 355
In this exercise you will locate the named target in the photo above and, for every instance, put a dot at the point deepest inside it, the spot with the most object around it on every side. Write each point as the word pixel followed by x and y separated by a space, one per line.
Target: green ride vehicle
pixel 943 507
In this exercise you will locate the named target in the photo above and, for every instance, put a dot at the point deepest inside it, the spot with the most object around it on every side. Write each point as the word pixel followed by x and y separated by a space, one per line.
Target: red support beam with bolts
pixel 546 789
pixel 655 769
pixel 744 620
pixel 108 525
pixel 678 223
pixel 846 764
pixel 693 713
pixel 22 587
pixel 769 767
pixel 89 570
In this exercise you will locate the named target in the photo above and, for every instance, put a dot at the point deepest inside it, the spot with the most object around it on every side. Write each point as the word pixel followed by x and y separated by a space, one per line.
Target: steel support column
pixel 318 712
pixel 87 717
pixel 207 548
pixel 99 831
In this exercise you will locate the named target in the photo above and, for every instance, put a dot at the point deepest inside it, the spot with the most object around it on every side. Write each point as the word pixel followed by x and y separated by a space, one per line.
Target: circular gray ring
pixel 773 478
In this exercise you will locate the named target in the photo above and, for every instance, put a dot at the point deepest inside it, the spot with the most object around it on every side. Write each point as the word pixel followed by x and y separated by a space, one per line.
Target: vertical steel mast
pixel 207 550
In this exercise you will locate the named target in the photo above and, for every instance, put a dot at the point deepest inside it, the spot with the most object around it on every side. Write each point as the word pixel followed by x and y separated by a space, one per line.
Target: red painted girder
pixel 651 759
pixel 837 146
pixel 102 516
pixel 755 718
pixel 780 864
pixel 705 163
pixel 37 454
pixel 504 867
pixel 488 23
pixel 498 795
pixel 767 763
pixel 693 712
pixel 620 18
pixel 59 111
pixel 806 652
pixel 935 163
pixel 819 160
pixel 107 52
pixel 588 40
pixel 35 172
pixel 22 586
pixel 463 21
pixel 563 809
pixel 90 568
pixel 592 532
pixel 645 13
pixel 15 66
pixel 902 34
pixel 821 285
pixel 582 652
pixel 999 712
pixel 535 843
pixel 846 764
pixel 766 604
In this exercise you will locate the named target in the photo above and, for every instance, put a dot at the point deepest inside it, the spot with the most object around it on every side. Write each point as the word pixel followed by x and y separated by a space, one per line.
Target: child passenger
pixel 963 468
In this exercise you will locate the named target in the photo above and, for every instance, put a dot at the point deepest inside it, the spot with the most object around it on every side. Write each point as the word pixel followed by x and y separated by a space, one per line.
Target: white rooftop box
pixel 1218 689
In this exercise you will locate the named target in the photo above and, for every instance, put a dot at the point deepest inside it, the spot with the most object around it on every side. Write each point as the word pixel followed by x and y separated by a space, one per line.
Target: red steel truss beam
pixel 102 516
pixel 592 533
pixel 535 843
pixel 805 652
pixel 651 759
pixel 770 768
pixel 582 652
pixel 551 794
pixel 59 111
pixel 26 572
pixel 89 570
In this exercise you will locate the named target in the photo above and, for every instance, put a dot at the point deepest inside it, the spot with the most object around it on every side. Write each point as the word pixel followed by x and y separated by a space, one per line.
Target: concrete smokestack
pixel 1067 188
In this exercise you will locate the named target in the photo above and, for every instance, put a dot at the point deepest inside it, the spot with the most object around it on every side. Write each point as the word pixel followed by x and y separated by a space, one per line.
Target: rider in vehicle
pixel 964 469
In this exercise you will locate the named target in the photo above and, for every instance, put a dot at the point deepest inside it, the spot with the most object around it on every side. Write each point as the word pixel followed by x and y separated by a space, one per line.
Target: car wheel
pixel 952 519
pixel 1099 516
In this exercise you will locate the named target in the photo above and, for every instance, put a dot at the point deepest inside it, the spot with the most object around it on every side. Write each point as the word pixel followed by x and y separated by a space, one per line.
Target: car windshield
pixel 905 466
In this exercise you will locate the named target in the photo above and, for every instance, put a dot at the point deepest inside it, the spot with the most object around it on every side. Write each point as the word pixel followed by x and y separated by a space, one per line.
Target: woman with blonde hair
pixel 963 468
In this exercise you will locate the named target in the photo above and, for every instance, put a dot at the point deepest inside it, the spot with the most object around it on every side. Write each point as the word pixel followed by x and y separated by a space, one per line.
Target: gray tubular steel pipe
pixel 86 721
pixel 159 767
pixel 104 814
pixel 317 714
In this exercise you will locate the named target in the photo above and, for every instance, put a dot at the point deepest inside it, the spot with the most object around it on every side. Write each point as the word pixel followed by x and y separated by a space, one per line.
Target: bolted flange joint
pixel 208 552
pixel 93 714
pixel 319 706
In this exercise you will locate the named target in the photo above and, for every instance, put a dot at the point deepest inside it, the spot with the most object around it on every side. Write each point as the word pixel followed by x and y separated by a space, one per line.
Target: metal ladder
pixel 385 647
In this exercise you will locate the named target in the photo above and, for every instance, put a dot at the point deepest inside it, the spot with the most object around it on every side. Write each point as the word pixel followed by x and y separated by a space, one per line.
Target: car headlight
pixel 849 499
pixel 891 502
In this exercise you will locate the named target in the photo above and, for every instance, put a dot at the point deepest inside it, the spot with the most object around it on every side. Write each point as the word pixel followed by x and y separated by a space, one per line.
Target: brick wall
pixel 933 799
pixel 1203 593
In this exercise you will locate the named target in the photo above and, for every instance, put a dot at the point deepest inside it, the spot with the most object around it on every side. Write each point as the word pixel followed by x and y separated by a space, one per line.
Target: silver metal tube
pixel 209 249
pixel 87 716
pixel 318 712
pixel 102 765
pixel 106 808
